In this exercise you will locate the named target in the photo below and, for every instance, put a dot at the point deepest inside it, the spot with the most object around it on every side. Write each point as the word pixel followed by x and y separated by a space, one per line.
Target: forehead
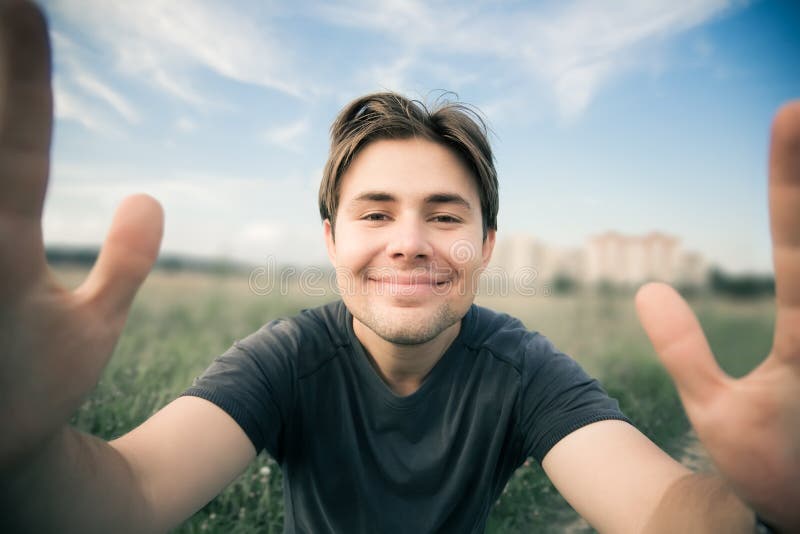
pixel 407 168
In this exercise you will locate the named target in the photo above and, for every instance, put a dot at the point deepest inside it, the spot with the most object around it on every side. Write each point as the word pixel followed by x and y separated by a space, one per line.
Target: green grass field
pixel 180 322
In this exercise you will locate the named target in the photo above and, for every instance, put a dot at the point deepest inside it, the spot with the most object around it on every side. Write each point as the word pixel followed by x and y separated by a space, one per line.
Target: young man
pixel 403 408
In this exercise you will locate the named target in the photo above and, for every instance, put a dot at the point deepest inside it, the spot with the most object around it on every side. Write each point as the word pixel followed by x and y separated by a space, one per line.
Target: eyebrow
pixel 435 198
pixel 447 198
pixel 374 196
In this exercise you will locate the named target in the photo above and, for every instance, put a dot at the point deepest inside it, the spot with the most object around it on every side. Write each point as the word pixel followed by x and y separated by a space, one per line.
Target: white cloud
pixel 416 23
pixel 68 106
pixel 179 87
pixel 261 232
pixel 163 41
pixel 289 136
pixel 575 86
pixel 589 42
pixel 185 125
pixel 393 75
pixel 110 96
pixel 207 214
pixel 76 85
pixel 574 47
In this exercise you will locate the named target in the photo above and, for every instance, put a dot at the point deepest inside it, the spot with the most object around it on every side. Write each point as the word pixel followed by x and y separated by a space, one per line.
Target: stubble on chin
pixel 409 328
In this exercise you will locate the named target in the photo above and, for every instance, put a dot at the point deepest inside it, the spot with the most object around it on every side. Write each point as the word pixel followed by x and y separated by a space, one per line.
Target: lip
pixel 409 285
pixel 410 280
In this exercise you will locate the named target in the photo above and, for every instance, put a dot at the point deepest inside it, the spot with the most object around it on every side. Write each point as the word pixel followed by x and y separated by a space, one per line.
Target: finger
pixel 679 342
pixel 127 256
pixel 784 207
pixel 784 202
pixel 25 111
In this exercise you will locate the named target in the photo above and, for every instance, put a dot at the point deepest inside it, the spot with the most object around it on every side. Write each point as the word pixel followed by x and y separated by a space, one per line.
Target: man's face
pixel 408 239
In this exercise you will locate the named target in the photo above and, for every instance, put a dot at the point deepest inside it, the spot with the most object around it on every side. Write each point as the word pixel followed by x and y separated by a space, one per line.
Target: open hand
pixel 53 343
pixel 750 426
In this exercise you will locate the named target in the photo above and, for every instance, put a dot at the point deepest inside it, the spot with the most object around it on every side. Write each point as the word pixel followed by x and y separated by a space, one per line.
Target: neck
pixel 404 367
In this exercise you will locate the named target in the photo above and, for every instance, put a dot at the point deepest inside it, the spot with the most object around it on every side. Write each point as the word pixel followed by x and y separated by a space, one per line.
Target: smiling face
pixel 408 243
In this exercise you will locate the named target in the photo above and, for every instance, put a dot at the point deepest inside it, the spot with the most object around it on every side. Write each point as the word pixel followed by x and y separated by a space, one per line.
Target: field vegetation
pixel 180 321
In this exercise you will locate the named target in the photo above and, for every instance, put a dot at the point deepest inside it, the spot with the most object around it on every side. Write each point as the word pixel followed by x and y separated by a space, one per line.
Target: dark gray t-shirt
pixel 358 458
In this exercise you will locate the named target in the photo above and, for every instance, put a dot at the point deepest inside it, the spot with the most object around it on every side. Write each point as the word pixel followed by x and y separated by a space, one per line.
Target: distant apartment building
pixel 611 257
pixel 631 259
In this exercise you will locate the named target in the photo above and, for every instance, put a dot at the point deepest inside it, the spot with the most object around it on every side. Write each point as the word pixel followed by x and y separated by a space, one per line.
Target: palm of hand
pixel 750 426
pixel 53 343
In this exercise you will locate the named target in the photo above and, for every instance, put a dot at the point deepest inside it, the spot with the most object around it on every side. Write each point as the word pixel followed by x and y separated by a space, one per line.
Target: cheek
pixel 463 253
pixel 354 249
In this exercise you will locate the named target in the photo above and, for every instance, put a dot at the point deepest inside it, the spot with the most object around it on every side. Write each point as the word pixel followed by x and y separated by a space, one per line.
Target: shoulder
pixel 309 337
pixel 508 339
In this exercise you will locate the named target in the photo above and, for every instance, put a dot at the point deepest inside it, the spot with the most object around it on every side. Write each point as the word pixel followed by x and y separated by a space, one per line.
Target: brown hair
pixel 392 116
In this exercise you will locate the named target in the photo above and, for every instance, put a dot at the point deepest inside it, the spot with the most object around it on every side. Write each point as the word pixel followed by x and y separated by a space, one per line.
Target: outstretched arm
pixel 55 343
pixel 621 482
pixel 149 480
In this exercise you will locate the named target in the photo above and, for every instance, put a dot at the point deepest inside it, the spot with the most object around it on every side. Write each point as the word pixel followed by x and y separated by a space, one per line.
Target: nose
pixel 409 241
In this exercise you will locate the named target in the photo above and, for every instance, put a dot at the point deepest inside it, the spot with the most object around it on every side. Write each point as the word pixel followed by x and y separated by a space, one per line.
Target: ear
pixel 330 244
pixel 488 247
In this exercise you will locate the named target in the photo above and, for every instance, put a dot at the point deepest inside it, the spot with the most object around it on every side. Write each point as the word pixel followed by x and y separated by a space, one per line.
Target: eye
pixel 449 219
pixel 375 217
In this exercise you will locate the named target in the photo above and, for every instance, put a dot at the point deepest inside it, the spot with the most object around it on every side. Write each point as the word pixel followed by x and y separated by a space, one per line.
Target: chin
pixel 407 325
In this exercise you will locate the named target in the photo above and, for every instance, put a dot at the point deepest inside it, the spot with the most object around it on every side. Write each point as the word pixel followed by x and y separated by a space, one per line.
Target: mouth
pixel 410 281
pixel 405 284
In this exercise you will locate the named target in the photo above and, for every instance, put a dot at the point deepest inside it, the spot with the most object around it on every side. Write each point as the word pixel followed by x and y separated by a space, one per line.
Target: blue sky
pixel 607 115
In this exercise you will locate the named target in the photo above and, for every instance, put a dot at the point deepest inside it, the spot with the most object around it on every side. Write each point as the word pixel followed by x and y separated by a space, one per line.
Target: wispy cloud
pixel 77 88
pixel 572 48
pixel 107 94
pixel 575 47
pixel 185 125
pixel 164 42
pixel 393 75
pixel 289 136
pixel 68 106
pixel 589 42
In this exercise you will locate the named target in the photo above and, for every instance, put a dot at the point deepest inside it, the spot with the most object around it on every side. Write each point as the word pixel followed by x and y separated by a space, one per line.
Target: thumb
pixel 679 342
pixel 130 249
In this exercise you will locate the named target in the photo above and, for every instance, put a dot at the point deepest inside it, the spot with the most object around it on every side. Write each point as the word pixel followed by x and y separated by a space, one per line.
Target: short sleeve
pixel 558 397
pixel 253 382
